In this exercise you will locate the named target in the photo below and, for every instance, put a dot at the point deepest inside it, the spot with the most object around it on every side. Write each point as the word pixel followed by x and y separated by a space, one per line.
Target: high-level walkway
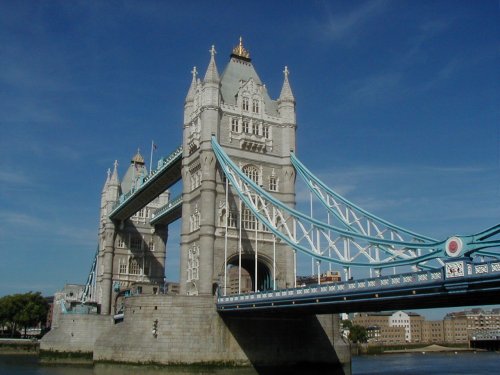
pixel 149 187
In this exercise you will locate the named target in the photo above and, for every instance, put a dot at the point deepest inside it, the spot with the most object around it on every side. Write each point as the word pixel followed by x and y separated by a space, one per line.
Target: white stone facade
pixel 258 133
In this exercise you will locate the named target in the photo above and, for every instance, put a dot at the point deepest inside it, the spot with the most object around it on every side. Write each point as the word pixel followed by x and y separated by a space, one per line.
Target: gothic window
pixel 193 263
pixel 136 243
pixel 255 128
pixel 234 125
pixel 151 245
pixel 232 219
pixel 195 179
pixel 252 172
pixel 194 220
pixel 248 219
pixel 134 267
pixel 273 183
pixel 122 266
pixel 246 126
pixel 147 267
pixel 197 220
pixel 245 104
pixel 120 243
pixel 255 106
pixel 265 131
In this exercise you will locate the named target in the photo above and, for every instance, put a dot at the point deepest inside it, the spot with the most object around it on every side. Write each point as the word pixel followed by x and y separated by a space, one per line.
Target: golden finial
pixel 239 50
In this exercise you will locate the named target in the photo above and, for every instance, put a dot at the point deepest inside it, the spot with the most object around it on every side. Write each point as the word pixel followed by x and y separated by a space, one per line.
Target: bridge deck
pixel 168 173
pixel 479 284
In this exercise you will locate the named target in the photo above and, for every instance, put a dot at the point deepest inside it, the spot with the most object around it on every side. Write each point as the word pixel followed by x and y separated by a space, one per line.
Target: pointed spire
pixel 114 177
pixel 212 75
pixel 286 90
pixel 192 88
pixel 107 180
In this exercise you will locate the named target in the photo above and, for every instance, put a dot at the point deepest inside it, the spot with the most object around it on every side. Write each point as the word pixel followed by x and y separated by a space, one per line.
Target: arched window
pixel 252 172
pixel 273 183
pixel 245 103
pixel 134 267
pixel 248 219
pixel 255 105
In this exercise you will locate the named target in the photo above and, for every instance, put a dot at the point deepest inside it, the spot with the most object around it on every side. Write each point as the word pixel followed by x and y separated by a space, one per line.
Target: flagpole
pixel 151 159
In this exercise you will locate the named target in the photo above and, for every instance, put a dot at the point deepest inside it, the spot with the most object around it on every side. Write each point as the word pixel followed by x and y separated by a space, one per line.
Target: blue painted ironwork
pixel 351 216
pixel 91 279
pixel 455 277
pixel 350 247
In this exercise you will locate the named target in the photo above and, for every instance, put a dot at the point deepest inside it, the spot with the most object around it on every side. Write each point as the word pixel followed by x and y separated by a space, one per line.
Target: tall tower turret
pixel 257 133
pixel 130 251
pixel 110 195
pixel 286 109
pixel 188 102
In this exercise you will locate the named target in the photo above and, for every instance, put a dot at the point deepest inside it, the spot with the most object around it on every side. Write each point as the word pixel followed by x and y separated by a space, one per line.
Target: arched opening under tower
pixel 245 281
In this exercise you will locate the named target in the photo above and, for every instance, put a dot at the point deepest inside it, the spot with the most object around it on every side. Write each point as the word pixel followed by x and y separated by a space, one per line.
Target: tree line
pixel 18 312
pixel 357 333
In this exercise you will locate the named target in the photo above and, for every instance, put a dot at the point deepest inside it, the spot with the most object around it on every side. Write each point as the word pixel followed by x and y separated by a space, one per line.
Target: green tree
pixel 346 324
pixel 23 311
pixel 358 334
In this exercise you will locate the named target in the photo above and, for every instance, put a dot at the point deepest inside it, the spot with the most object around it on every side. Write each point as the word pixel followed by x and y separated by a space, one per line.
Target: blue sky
pixel 397 106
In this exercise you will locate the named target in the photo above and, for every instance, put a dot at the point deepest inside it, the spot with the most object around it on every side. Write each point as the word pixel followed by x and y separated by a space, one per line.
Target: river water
pixel 389 364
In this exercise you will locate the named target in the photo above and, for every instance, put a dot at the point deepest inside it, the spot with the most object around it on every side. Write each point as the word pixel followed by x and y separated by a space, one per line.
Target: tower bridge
pixel 238 166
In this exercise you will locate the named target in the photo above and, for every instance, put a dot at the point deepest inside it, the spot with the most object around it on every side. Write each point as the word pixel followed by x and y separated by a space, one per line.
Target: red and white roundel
pixel 453 247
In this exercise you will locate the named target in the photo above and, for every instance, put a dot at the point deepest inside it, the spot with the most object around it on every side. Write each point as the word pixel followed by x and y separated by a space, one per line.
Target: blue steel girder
pixel 149 187
pixel 91 279
pixel 344 246
pixel 351 216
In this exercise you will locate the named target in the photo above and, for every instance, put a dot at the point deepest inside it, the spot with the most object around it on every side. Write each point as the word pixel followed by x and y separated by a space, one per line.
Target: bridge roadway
pixel 149 187
pixel 458 283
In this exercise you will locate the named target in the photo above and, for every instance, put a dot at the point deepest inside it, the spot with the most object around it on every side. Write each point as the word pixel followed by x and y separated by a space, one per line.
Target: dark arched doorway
pixel 246 283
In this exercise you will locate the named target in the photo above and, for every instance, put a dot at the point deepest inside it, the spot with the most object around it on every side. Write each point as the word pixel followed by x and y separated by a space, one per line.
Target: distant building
pixel 234 284
pixel 324 278
pixel 406 327
pixel 433 331
pixel 391 327
pixel 459 327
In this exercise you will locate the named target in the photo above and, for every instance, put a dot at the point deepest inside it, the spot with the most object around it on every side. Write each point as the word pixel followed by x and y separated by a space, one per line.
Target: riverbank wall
pixel 19 346
pixel 165 329
pixel 371 349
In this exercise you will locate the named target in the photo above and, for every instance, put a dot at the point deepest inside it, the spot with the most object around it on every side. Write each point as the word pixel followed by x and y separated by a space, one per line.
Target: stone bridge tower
pixel 131 252
pixel 258 133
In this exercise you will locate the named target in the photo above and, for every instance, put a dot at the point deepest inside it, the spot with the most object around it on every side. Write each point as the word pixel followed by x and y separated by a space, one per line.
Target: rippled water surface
pixel 389 364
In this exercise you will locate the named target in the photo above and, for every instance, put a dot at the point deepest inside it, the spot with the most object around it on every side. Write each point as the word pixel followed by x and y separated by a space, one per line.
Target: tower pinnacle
pixel 240 52
pixel 212 75
pixel 286 90
pixel 192 88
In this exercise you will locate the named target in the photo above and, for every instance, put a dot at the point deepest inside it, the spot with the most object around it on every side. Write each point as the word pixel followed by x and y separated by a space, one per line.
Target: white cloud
pixel 414 196
pixel 13 178
pixel 42 226
pixel 344 27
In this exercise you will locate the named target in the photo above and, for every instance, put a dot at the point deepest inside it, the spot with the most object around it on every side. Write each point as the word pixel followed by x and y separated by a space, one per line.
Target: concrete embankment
pixel 187 330
pixel 19 346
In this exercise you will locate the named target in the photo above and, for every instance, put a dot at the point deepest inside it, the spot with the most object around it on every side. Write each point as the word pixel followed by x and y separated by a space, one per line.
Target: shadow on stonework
pixel 289 344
